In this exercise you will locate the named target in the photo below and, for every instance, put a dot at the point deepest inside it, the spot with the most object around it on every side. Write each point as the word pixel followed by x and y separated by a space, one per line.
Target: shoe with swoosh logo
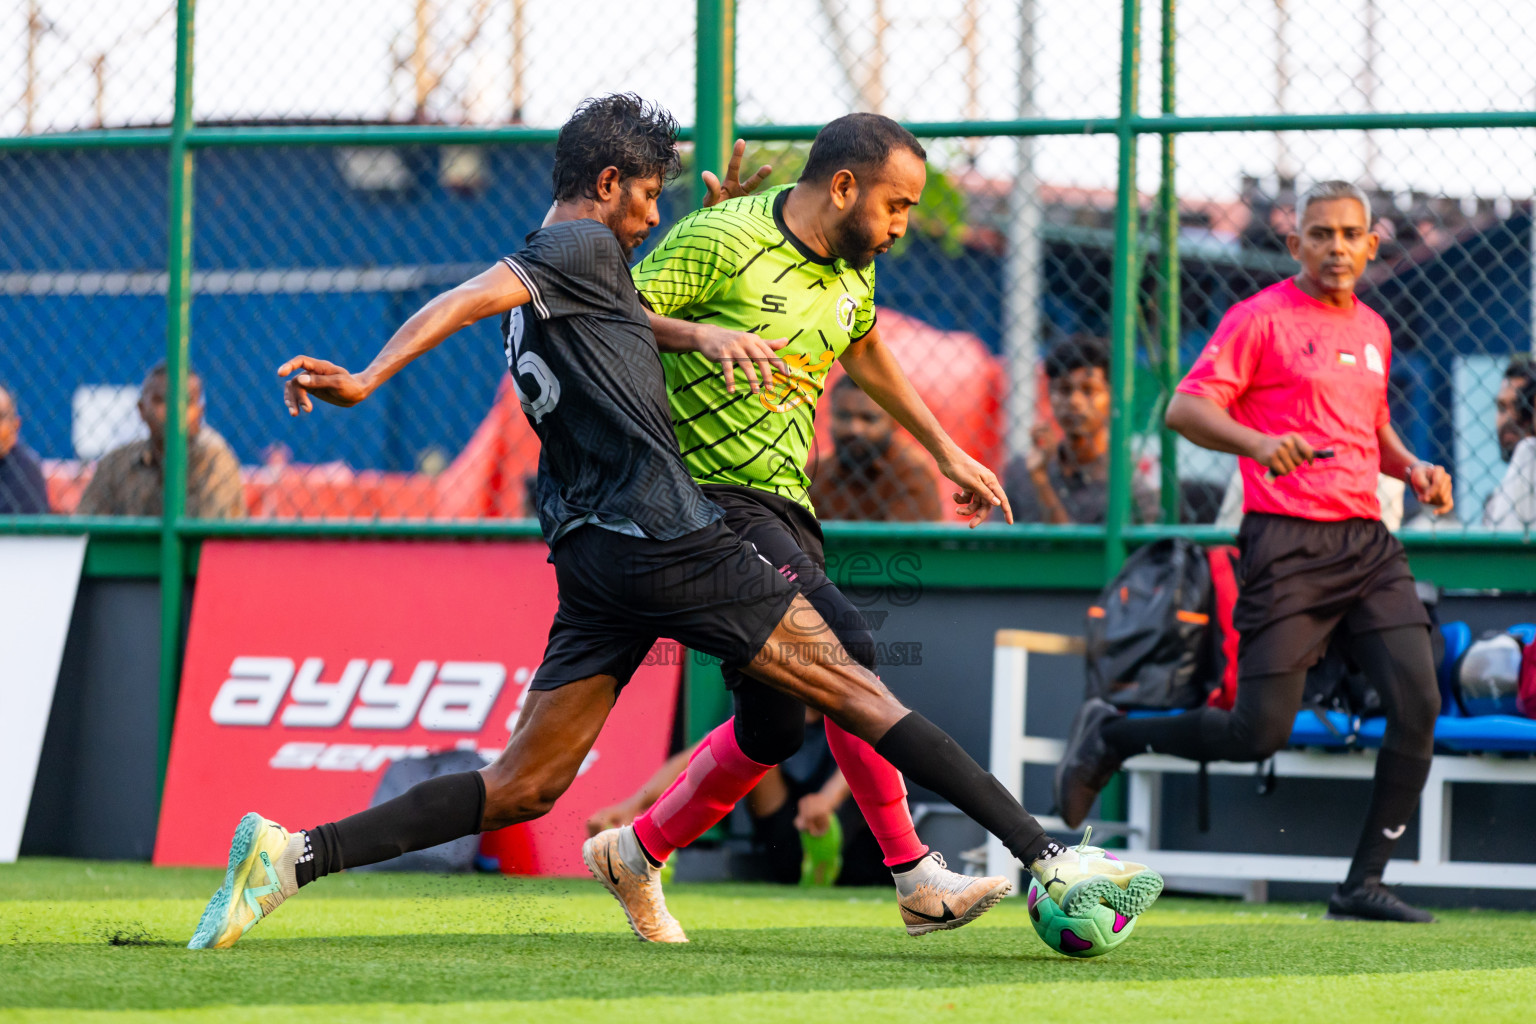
pixel 933 898
pixel 1081 876
pixel 615 858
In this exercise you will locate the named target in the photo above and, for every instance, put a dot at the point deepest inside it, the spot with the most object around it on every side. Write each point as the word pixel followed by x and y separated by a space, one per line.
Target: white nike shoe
pixel 933 898
pixel 615 858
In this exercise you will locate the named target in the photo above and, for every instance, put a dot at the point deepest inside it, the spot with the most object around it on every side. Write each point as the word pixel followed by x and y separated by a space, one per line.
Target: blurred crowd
pixel 864 468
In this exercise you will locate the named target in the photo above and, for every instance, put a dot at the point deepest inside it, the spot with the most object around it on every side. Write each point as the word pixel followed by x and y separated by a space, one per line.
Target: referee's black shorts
pixel 1300 579
pixel 619 594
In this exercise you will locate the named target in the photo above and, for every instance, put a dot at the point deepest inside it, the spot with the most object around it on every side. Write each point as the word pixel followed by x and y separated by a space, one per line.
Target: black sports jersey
pixel 589 377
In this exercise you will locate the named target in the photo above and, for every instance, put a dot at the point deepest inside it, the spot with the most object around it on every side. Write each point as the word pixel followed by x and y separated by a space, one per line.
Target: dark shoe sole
pixel 1333 915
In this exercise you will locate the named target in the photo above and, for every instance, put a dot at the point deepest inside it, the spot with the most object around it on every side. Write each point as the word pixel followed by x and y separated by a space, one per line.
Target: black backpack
pixel 1146 634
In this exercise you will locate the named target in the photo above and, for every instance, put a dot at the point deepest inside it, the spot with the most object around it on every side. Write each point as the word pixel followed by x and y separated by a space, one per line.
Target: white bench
pixel 1242 873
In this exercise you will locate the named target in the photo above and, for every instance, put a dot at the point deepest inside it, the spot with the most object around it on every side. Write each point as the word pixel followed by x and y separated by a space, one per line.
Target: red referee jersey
pixel 1284 362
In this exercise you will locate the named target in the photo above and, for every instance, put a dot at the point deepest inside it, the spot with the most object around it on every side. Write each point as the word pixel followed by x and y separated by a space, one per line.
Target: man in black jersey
pixel 639 553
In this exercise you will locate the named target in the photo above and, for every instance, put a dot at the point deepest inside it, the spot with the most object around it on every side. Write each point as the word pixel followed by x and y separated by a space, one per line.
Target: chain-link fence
pixel 350 160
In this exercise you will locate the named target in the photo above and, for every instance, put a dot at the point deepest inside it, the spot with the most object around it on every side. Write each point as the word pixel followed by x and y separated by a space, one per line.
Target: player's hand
pixel 612 816
pixel 814 814
pixel 1282 454
pixel 980 492
pixel 756 358
pixel 733 187
pixel 325 381
pixel 1432 486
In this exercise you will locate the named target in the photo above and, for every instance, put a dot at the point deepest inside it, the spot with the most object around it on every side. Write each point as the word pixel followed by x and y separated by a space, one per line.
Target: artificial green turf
pixel 78 937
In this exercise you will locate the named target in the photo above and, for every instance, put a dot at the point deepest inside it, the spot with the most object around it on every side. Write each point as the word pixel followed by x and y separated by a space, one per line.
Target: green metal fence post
pixel 1125 281
pixel 178 300
pixel 1168 268
pixel 715 90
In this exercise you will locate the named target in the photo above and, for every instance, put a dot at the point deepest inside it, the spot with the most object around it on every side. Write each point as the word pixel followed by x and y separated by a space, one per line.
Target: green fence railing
pixel 1035 556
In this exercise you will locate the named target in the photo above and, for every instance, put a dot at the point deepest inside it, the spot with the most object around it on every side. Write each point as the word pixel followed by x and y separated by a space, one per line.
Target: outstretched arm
pixel 875 370
pixel 488 294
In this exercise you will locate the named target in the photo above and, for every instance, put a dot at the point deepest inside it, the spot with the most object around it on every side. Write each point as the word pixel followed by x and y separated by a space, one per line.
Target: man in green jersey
pixel 797 263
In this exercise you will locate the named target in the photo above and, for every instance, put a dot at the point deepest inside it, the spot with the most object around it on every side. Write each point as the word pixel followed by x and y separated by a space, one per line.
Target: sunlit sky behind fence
pixel 806 61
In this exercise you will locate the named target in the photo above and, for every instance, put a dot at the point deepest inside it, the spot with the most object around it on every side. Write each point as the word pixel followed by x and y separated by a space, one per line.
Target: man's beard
pixel 859 454
pixel 627 243
pixel 852 242
pixel 1508 443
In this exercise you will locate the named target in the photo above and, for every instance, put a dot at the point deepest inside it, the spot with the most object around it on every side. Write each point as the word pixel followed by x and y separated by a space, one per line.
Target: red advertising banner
pixel 310 666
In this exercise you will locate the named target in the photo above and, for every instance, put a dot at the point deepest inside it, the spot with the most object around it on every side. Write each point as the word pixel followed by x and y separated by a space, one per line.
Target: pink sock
pixel 881 794
pixel 718 775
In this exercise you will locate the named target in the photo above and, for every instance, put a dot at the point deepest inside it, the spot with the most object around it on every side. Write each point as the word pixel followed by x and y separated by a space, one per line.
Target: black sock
pixel 903 868
pixel 926 755
pixel 650 858
pixel 1394 796
pixel 428 814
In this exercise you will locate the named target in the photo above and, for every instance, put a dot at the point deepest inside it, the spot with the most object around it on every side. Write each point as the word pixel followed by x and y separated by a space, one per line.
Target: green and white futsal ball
pixel 1094 934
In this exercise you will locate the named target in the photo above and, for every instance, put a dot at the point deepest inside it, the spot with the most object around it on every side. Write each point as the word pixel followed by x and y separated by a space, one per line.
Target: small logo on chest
pixel 847 305
pixel 1373 361
pixel 1346 359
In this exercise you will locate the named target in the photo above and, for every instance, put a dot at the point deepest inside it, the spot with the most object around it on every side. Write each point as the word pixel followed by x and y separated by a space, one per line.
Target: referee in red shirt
pixel 1295 382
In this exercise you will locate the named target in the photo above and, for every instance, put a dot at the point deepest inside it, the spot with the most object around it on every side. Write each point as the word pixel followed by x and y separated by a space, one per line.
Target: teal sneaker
pixel 262 859
pixel 1082 876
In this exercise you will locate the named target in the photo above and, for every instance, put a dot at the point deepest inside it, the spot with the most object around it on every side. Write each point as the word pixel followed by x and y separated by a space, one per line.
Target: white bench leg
pixel 1007 763
pixel 1143 809
pixel 1435 818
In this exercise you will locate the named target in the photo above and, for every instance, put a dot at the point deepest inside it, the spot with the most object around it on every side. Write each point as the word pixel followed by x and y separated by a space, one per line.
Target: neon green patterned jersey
pixel 737 265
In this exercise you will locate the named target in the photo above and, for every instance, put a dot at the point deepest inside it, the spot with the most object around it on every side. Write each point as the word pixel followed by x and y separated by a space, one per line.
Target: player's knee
pixel 513 799
pixel 865 707
pixel 771 739
pixel 1262 739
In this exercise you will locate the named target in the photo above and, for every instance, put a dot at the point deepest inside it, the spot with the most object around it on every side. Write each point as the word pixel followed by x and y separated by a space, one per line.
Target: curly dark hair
pixel 619 130
pixel 857 142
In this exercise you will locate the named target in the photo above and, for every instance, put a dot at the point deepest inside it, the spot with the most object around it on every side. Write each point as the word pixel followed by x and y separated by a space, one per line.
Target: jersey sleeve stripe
pixel 874 318
pixel 533 289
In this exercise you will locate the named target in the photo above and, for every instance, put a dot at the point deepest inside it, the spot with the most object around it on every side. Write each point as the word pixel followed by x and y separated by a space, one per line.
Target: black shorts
pixel 749 510
pixel 707 590
pixel 789 537
pixel 1300 579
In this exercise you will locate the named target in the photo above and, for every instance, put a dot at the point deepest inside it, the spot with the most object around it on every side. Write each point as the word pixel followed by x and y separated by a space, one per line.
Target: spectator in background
pixel 1068 482
pixel 1512 505
pixel 22 488
pixel 130 481
pixel 876 473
